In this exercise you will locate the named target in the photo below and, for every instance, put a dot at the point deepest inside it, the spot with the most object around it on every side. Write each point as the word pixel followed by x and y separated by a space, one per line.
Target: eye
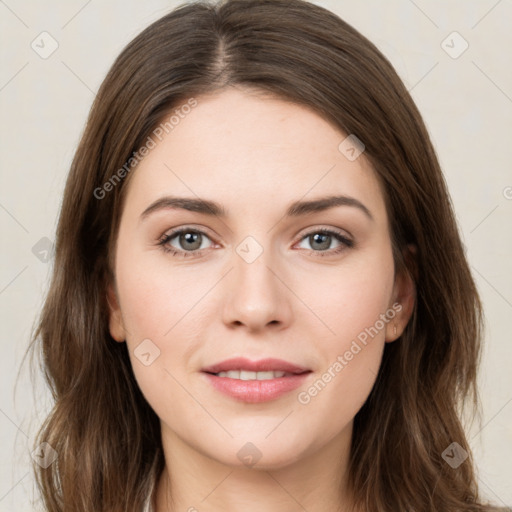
pixel 320 241
pixel 184 242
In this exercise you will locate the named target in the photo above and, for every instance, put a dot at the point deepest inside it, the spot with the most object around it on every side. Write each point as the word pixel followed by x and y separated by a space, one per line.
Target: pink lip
pixel 263 365
pixel 255 391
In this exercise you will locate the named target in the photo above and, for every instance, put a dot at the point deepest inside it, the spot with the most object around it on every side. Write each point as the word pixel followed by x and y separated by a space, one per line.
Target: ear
pixel 404 295
pixel 116 324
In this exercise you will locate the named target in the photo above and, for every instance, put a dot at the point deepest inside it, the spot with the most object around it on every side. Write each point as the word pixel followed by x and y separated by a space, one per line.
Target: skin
pixel 254 155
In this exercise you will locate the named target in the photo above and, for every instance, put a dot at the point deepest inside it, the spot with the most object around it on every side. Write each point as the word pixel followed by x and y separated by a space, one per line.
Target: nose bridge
pixel 256 296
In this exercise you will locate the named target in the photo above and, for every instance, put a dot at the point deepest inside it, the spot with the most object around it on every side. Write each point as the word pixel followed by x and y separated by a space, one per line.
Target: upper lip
pixel 263 365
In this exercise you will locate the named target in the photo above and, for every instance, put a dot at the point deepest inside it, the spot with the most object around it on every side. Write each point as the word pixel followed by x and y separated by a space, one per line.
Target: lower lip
pixel 256 391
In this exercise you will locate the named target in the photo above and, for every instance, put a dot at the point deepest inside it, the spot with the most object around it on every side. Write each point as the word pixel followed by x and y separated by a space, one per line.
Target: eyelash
pixel 346 243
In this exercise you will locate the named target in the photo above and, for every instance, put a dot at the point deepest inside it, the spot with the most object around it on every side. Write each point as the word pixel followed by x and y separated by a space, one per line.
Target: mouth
pixel 255 381
pixel 247 367
pixel 248 375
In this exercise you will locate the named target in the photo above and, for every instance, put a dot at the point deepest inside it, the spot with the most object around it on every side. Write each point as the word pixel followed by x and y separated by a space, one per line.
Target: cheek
pixel 332 400
pixel 351 297
pixel 165 312
pixel 354 305
pixel 156 298
pixel 160 336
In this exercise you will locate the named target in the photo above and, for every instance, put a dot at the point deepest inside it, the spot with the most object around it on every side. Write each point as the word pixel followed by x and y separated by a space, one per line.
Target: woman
pixel 260 299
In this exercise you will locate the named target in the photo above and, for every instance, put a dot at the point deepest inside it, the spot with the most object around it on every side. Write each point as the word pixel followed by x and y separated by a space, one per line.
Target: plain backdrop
pixel 461 82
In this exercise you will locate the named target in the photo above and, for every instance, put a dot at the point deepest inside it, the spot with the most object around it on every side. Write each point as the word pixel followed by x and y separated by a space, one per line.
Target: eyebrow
pixel 296 209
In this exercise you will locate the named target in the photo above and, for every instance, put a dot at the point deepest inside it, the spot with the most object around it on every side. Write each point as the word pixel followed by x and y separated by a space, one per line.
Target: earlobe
pixel 404 295
pixel 116 325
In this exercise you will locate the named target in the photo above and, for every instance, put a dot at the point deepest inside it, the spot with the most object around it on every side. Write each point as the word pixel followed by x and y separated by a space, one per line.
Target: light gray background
pixel 466 103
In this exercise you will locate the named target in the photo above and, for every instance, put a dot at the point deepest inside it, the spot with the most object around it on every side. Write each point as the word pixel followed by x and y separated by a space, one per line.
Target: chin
pixel 259 454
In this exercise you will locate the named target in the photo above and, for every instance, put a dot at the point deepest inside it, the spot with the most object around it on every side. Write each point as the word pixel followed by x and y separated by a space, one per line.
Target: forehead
pixel 248 151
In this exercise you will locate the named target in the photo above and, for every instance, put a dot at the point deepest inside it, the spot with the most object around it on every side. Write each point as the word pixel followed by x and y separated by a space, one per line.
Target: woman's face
pixel 276 274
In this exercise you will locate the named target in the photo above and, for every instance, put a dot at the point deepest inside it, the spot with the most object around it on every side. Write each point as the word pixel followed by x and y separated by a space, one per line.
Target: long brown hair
pixel 105 433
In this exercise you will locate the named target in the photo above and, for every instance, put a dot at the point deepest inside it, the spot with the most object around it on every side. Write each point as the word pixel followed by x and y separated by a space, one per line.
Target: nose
pixel 256 295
